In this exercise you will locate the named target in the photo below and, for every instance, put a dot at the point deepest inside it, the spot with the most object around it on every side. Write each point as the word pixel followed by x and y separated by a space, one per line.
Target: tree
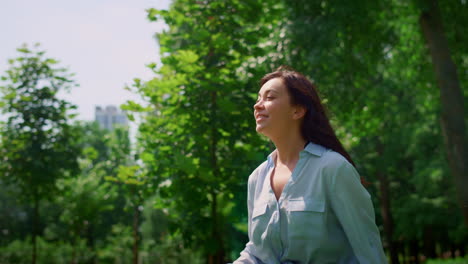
pixel 369 61
pixel 83 200
pixel 38 145
pixel 343 47
pixel 132 179
pixel 90 204
pixel 451 97
pixel 134 183
pixel 196 139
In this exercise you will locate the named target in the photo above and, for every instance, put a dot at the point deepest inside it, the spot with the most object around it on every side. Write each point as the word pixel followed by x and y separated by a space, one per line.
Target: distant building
pixel 110 116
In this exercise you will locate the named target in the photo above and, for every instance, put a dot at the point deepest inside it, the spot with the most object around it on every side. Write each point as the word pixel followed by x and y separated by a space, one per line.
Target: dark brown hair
pixel 315 126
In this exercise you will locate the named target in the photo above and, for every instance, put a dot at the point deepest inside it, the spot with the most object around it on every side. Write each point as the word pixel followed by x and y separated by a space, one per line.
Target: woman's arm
pixel 247 255
pixel 353 207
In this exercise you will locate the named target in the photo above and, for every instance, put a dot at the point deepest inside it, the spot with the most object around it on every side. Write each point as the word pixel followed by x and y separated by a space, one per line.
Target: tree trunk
pixel 35 227
pixel 429 243
pixel 90 242
pixel 136 216
pixel 451 96
pixel 414 249
pixel 73 257
pixel 218 256
pixel 406 253
pixel 453 249
pixel 387 216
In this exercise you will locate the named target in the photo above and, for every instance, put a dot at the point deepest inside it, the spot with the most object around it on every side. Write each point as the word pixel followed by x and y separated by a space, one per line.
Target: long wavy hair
pixel 315 126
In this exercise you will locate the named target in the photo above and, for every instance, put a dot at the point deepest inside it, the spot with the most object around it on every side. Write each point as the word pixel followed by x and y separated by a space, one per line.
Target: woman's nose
pixel 258 104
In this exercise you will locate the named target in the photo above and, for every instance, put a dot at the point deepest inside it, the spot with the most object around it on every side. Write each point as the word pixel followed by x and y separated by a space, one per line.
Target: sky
pixel 105 43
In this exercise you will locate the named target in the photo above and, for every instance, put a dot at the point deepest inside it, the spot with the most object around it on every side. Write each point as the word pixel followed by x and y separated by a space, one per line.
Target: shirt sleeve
pixel 353 207
pixel 247 255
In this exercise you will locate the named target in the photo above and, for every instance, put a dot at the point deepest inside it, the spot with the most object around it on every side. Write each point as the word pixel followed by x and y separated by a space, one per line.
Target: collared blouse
pixel 324 214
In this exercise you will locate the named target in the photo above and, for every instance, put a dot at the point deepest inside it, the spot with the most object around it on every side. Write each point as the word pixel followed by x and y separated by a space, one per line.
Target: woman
pixel 306 203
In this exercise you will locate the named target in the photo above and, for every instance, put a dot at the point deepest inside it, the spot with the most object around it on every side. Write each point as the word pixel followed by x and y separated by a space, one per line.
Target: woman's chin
pixel 261 130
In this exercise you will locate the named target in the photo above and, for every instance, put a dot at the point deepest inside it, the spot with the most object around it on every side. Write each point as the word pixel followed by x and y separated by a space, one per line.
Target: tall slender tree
pixel 451 98
pixel 38 145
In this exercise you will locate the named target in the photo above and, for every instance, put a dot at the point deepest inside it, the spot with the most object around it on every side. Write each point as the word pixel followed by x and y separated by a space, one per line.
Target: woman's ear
pixel 299 112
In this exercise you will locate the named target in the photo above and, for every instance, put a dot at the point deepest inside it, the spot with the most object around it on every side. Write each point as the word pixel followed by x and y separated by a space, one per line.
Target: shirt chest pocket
pixel 259 222
pixel 259 209
pixel 306 218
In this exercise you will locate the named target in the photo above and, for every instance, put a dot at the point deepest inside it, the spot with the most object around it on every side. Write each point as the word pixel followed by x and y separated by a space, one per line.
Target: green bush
pixel 448 261
pixel 169 250
pixel 118 246
pixel 56 252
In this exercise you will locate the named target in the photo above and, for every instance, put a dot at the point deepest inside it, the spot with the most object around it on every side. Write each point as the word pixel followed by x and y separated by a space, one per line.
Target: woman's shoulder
pixel 333 159
pixel 255 174
pixel 336 168
pixel 325 157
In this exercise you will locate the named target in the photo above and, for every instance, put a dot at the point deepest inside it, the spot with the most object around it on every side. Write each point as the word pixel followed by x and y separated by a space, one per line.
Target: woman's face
pixel 273 111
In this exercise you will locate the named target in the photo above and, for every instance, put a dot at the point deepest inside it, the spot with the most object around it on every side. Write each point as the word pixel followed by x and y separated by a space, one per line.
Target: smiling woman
pixel 273 109
pixel 306 203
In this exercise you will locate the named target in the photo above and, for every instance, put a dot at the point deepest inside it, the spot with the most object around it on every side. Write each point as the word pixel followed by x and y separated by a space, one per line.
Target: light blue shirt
pixel 324 214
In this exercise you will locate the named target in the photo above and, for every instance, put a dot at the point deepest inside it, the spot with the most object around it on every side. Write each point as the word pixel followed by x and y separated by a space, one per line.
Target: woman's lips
pixel 260 117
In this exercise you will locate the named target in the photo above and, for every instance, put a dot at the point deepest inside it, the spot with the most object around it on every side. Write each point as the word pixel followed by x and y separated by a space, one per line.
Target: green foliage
pixel 14 216
pixel 56 252
pixel 195 135
pixel 118 246
pixel 38 145
pixel 448 261
pixel 95 143
pixel 197 144
pixel 371 64
pixel 170 251
pixel 84 199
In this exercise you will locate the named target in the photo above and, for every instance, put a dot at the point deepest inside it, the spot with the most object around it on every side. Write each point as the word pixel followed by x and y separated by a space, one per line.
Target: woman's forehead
pixel 274 85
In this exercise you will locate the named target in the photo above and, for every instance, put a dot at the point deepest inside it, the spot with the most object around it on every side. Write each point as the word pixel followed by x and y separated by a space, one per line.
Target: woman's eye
pixel 266 98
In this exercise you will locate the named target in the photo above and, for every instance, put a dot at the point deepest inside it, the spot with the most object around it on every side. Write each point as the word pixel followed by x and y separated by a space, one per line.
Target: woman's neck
pixel 288 148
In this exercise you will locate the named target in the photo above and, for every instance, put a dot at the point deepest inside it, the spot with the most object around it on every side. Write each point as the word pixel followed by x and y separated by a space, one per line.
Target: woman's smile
pixel 260 117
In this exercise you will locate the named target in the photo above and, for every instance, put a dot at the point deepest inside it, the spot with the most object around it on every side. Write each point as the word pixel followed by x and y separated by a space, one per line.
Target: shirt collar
pixel 271 157
pixel 312 148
